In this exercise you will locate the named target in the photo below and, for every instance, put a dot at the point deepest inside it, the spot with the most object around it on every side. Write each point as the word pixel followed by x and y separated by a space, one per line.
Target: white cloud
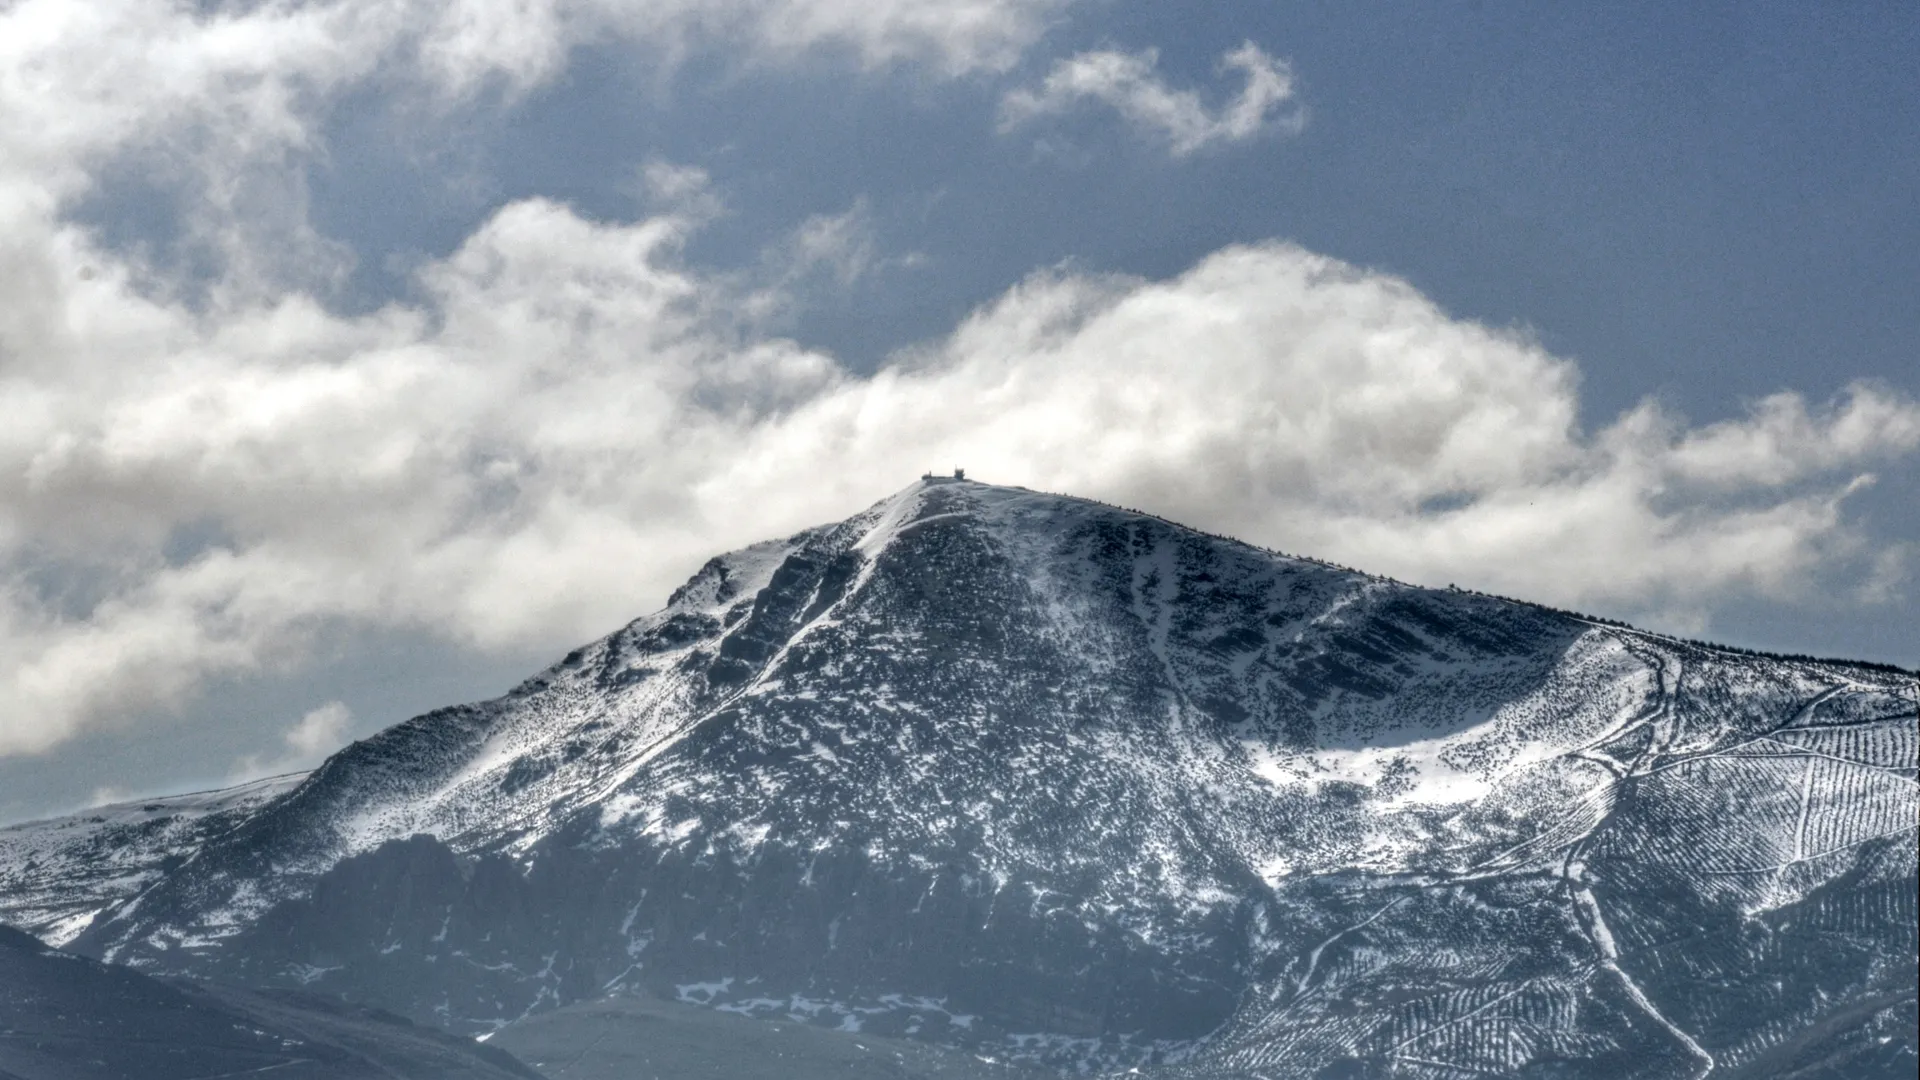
pixel 684 190
pixel 843 245
pixel 572 420
pixel 833 251
pixel 466 44
pixel 953 37
pixel 219 104
pixel 311 738
pixel 1129 84
pixel 1780 441
pixel 319 731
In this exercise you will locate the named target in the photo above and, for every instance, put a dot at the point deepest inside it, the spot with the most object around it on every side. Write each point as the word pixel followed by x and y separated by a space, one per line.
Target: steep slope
pixel 1019 771
pixel 66 1018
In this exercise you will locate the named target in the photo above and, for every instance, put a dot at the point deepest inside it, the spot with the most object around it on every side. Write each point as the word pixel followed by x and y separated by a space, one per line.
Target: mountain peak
pixel 1027 771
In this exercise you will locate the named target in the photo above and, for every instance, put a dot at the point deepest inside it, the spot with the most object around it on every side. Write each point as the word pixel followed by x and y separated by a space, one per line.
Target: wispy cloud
pixel 312 737
pixel 1130 84
pixel 220 105
pixel 685 191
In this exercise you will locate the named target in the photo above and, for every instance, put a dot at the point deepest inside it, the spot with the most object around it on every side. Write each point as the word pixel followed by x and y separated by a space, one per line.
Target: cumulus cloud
pixel 571 420
pixel 1130 84
pixel 564 418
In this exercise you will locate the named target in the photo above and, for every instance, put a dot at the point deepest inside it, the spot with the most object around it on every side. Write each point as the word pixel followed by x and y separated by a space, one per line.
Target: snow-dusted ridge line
pixel 155 804
pixel 56 874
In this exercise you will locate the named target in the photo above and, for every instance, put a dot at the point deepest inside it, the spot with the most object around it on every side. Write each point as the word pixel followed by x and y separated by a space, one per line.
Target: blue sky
pixel 362 356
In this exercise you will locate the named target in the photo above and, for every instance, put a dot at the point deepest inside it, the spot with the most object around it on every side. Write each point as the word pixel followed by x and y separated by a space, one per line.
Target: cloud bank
pixel 200 473
pixel 1129 84
pixel 573 420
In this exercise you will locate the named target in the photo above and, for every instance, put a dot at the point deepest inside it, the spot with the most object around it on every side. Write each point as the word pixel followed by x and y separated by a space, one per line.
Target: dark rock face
pixel 63 1017
pixel 1029 774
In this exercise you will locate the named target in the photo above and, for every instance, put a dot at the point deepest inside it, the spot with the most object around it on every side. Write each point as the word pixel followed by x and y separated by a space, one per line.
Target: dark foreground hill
pixel 1050 781
pixel 63 1017
pixel 645 1038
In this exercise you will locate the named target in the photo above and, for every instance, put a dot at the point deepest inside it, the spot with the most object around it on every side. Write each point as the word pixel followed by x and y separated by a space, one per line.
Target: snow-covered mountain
pixel 56 875
pixel 1031 773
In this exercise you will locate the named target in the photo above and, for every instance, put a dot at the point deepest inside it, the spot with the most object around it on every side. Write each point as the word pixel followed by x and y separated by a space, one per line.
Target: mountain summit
pixel 1029 773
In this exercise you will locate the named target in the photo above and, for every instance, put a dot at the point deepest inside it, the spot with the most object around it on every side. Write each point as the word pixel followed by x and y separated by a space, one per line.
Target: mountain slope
pixel 1019 771
pixel 56 875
